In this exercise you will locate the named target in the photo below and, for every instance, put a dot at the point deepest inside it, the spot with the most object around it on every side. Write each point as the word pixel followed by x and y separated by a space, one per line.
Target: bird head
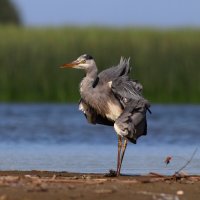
pixel 83 62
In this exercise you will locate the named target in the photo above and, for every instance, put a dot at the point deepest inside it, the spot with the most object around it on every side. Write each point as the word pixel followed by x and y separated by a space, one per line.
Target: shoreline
pixel 44 185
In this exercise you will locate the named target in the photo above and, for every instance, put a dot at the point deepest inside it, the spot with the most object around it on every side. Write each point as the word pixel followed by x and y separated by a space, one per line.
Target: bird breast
pixel 101 99
pixel 114 110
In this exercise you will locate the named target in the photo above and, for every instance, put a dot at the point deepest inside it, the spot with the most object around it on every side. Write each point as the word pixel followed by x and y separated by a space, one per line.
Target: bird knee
pixel 120 130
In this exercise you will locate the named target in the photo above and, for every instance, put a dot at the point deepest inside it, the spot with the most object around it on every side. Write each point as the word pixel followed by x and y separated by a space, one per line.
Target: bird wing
pixel 91 115
pixel 132 122
pixel 122 69
pixel 126 89
pixel 121 85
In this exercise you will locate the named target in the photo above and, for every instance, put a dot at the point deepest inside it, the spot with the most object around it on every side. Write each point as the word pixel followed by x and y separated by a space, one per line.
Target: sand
pixel 43 185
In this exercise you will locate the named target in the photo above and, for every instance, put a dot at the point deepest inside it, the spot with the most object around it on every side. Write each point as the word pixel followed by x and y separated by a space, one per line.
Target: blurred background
pixel 161 37
pixel 36 97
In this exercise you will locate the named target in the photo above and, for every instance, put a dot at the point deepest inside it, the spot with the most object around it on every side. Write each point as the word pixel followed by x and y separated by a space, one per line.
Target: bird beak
pixel 70 65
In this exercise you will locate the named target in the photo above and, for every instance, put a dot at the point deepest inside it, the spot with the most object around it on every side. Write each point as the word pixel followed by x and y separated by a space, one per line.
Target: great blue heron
pixel 112 98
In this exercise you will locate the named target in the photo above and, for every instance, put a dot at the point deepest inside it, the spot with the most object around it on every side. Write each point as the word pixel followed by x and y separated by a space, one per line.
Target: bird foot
pixel 111 173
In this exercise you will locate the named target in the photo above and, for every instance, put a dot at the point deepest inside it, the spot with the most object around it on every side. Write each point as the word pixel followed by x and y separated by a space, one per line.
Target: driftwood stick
pixel 175 175
pixel 187 163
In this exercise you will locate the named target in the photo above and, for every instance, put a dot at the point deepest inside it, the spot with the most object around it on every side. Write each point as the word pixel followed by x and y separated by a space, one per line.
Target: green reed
pixel 166 62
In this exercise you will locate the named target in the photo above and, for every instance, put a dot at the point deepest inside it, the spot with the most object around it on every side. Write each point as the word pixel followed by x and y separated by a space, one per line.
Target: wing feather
pixel 126 89
pixel 132 122
pixel 92 116
pixel 122 69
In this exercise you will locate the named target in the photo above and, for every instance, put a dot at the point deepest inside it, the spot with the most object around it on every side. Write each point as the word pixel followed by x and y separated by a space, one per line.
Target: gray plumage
pixel 112 98
pixel 124 92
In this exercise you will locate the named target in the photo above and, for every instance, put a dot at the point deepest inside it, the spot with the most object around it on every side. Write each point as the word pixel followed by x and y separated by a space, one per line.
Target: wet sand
pixel 43 185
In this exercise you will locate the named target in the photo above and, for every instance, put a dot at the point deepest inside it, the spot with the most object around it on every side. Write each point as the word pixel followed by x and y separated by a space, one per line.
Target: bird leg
pixel 119 152
pixel 122 156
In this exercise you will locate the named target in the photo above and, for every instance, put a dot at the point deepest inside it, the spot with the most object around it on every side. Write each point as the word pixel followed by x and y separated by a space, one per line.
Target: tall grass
pixel 166 62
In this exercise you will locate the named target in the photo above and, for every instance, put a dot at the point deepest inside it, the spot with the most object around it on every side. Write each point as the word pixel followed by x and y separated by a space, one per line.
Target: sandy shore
pixel 43 185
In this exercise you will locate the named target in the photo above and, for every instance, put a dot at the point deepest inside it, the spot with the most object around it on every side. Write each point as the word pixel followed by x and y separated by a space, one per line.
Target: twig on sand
pixel 177 173
pixel 186 164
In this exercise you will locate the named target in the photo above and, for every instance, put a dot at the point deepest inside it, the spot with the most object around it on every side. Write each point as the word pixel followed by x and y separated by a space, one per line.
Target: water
pixel 57 137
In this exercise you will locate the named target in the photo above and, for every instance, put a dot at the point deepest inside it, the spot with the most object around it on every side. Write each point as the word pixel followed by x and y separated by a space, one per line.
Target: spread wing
pixel 126 89
pixel 132 122
pixel 121 85
pixel 122 69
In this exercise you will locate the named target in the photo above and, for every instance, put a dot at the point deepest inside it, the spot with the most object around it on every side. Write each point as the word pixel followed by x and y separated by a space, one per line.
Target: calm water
pixel 57 137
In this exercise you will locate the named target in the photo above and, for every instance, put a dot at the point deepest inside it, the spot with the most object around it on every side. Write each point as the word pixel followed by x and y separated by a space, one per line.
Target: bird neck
pixel 91 73
pixel 86 85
